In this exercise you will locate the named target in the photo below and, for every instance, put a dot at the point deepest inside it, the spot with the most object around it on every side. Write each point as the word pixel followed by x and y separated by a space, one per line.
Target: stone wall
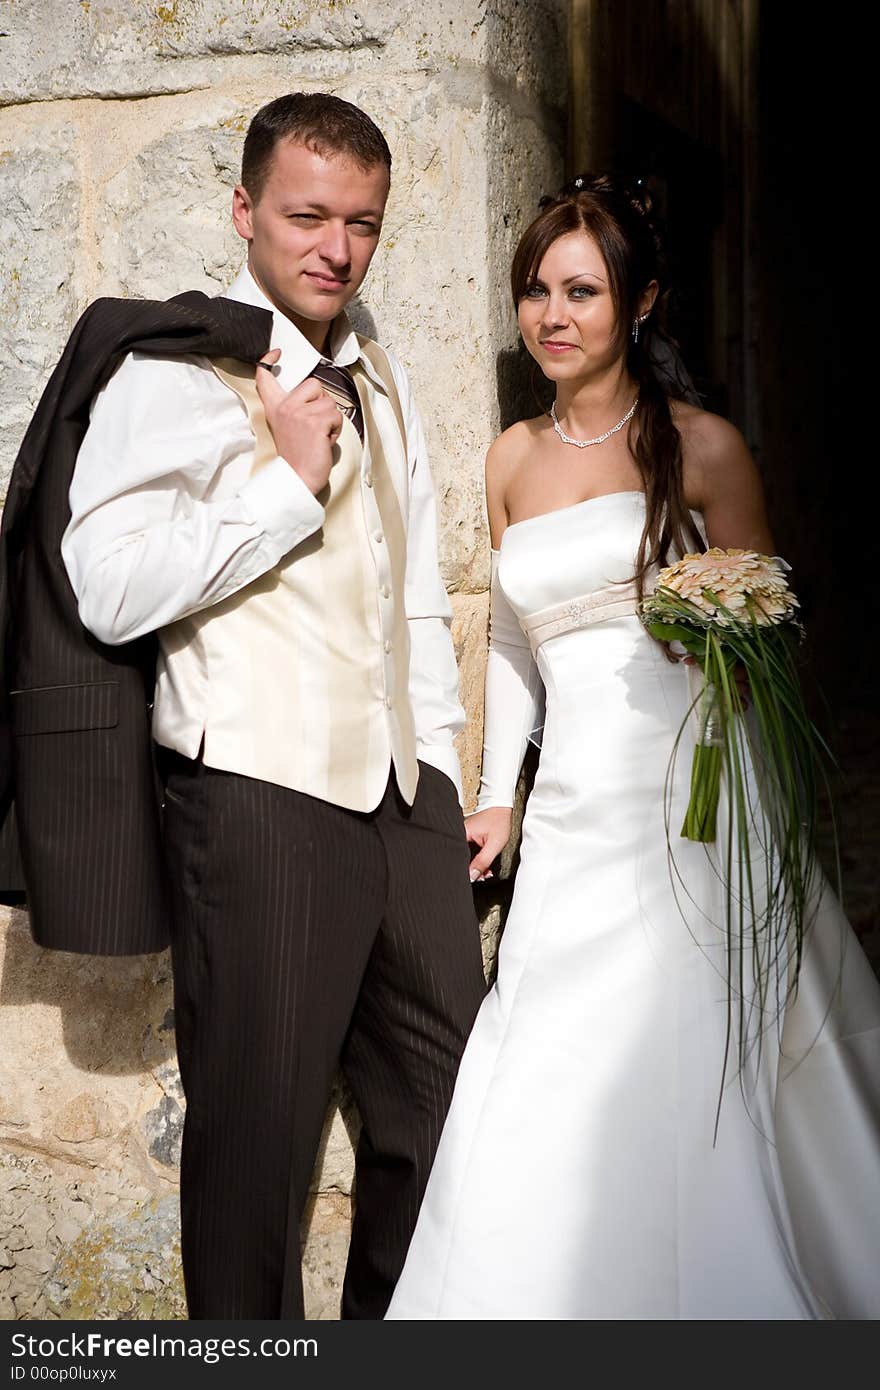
pixel 120 135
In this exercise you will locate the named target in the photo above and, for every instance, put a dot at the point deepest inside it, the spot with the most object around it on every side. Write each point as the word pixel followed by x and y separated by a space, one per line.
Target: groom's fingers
pixel 269 388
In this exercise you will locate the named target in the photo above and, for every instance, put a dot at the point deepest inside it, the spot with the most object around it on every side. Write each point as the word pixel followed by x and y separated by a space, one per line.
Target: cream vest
pixel 303 676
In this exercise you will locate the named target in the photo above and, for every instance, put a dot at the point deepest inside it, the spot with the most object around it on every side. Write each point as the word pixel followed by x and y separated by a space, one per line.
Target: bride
pixel 580 1174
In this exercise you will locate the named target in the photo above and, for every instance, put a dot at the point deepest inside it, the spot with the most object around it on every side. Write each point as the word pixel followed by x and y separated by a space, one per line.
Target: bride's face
pixel 567 316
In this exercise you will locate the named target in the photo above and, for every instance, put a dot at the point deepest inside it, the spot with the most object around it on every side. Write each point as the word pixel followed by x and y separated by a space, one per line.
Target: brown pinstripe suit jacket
pixel 75 747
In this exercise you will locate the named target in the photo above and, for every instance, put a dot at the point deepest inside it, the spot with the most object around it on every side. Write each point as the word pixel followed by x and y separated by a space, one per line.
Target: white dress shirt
pixel 166 519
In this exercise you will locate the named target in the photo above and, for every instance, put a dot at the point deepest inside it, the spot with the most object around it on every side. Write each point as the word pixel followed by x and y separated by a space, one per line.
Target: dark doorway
pixel 740 116
pixel 685 180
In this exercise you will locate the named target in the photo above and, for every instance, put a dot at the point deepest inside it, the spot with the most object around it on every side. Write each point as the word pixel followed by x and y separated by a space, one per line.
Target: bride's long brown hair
pixel 618 220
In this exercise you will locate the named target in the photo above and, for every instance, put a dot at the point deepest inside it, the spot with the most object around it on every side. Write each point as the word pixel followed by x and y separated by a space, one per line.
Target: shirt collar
pixel 298 357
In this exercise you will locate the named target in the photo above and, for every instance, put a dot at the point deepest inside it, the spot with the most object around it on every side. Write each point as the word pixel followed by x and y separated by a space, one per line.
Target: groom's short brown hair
pixel 324 123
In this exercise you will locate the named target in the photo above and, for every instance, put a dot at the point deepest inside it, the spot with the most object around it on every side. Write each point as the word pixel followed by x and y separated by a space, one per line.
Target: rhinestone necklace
pixel 600 438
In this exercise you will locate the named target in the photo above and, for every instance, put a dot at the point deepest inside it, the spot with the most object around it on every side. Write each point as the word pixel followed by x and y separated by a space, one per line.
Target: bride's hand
pixel 490 831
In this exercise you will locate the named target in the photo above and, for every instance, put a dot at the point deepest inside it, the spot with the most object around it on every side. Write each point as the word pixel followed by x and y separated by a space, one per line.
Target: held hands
pixel 490 831
pixel 305 423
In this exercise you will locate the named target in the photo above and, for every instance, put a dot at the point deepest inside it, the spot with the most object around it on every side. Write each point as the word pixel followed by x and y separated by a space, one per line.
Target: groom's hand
pixel 305 423
pixel 489 830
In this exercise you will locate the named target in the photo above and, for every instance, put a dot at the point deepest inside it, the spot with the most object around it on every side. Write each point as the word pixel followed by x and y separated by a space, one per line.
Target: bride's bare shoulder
pixel 513 445
pixel 704 434
pixel 504 462
pixel 719 471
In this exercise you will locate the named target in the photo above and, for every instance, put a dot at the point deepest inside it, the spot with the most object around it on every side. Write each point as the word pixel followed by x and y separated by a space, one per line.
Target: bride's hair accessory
pixel 633 191
pixel 600 438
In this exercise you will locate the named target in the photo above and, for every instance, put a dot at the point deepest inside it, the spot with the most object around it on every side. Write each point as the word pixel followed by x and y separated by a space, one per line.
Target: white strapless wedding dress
pixel 577 1175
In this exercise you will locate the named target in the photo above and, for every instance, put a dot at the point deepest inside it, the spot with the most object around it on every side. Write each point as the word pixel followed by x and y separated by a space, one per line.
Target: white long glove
pixel 513 703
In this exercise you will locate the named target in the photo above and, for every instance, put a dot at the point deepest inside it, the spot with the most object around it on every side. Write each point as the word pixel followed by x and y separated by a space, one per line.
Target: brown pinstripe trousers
pixel 306 936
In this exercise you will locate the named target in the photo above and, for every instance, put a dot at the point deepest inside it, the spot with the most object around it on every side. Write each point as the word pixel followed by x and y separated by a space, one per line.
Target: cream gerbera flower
pixel 725 584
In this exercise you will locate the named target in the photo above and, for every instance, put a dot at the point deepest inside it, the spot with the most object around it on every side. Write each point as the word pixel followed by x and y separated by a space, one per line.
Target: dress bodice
pixel 570 552
pixel 564 617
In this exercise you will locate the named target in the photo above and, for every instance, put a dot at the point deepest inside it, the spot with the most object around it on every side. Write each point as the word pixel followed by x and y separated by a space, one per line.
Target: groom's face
pixel 312 230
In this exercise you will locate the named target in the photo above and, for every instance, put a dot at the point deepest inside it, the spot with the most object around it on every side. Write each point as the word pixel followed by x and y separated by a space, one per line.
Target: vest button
pixel 386 592
pixel 368 479
pixel 388 701
pixel 378 538
pixel 387 645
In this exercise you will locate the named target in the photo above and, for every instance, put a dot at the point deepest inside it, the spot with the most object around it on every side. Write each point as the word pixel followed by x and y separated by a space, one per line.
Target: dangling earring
pixel 636 321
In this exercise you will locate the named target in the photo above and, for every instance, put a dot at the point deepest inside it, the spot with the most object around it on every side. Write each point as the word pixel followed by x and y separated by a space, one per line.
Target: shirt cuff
pixel 281 505
pixel 488 801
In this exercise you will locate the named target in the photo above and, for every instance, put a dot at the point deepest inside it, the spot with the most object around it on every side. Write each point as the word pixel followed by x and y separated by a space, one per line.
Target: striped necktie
pixel 339 385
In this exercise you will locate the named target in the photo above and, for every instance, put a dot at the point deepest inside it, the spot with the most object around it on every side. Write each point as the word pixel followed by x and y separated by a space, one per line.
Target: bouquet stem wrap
pixel 701 817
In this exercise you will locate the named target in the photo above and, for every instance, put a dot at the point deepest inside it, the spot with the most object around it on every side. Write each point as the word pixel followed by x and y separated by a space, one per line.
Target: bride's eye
pixel 582 292
pixel 535 292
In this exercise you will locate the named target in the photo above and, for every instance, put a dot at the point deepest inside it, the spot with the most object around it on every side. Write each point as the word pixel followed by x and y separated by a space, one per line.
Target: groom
pixel 277 529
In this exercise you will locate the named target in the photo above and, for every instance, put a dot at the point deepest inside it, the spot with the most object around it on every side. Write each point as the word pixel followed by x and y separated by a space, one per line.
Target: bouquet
pixel 733 609
pixel 729 608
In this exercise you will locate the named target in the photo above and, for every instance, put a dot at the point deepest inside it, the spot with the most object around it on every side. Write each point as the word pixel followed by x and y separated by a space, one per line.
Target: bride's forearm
pixel 512 702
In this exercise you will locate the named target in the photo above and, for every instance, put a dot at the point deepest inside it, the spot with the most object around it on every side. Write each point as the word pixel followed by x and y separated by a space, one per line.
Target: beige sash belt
pixel 617 601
